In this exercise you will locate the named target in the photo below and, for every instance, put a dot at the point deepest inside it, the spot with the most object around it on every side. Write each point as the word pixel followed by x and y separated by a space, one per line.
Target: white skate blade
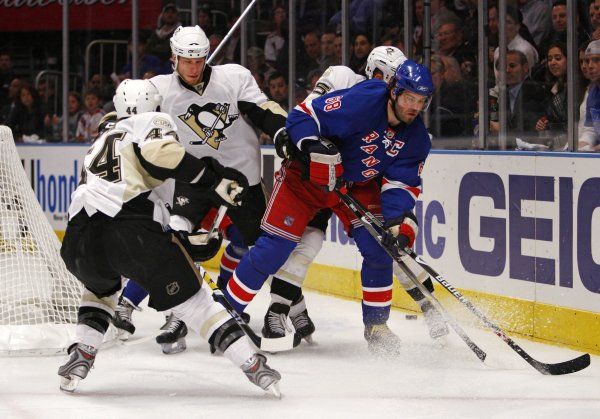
pixel 273 390
pixel 173 348
pixel 309 340
pixel 69 384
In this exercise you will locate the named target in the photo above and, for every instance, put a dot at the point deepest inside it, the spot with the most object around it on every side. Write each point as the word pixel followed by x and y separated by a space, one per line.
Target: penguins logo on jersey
pixel 209 122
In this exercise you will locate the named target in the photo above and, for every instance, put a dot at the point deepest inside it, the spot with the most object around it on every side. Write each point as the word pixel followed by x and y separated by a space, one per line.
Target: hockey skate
pixel 172 340
pixel 435 322
pixel 381 340
pixel 78 365
pixel 260 374
pixel 301 321
pixel 276 324
pixel 122 319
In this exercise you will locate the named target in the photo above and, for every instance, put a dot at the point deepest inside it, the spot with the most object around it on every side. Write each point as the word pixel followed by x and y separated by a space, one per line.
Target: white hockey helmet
pixel 189 42
pixel 136 96
pixel 386 60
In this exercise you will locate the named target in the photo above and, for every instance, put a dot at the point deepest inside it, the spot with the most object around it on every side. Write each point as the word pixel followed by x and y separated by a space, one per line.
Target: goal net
pixel 39 298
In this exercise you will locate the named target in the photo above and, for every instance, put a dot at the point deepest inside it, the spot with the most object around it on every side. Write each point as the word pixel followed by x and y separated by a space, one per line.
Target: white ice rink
pixel 337 378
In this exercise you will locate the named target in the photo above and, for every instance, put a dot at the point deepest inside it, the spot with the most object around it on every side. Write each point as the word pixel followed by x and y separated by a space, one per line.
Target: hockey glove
pixel 199 245
pixel 228 184
pixel 400 232
pixel 283 144
pixel 325 165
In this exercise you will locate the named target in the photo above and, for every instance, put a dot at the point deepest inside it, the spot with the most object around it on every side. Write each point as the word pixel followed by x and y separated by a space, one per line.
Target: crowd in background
pixel 536 63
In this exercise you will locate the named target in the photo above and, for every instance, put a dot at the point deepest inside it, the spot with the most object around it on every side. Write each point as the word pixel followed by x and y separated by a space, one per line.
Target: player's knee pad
pixel 96 312
pixel 295 268
pixel 224 336
pixel 201 313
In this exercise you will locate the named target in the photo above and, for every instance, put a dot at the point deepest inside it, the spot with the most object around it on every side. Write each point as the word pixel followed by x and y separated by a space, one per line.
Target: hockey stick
pixel 372 224
pixel 285 343
pixel 231 31
pixel 566 367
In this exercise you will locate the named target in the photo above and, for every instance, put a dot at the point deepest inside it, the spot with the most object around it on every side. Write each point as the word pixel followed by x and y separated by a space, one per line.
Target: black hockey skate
pixel 381 340
pixel 172 340
pixel 260 374
pixel 122 318
pixel 78 365
pixel 276 324
pixel 301 321
pixel 435 322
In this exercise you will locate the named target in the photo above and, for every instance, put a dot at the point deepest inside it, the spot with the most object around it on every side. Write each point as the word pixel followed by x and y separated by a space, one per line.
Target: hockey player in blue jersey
pixel 372 137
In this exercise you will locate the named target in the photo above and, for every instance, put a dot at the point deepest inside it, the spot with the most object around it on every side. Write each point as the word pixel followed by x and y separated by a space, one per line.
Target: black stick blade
pixel 562 368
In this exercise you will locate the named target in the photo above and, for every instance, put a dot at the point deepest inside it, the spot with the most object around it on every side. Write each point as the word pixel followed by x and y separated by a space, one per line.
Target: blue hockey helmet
pixel 413 77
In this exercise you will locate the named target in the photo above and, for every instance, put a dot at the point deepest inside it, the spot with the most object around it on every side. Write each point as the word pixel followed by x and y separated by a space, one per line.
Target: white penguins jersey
pixel 336 77
pixel 209 119
pixel 127 162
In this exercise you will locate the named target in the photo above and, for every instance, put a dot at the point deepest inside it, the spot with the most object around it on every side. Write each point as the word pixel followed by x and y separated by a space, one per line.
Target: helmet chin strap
pixel 394 102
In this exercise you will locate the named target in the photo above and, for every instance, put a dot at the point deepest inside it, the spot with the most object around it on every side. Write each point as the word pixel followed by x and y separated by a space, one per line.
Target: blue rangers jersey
pixel 356 121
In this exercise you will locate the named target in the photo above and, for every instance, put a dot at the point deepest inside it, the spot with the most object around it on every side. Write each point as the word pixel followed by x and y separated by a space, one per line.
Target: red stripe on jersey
pixel 305 108
pixel 377 296
pixel 238 291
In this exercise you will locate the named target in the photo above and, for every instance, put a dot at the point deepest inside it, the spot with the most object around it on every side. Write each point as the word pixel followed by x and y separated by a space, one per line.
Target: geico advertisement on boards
pixel 521 225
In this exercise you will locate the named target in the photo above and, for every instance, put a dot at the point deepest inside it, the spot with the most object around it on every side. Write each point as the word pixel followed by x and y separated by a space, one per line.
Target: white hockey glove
pixel 400 232
pixel 201 245
pixel 325 165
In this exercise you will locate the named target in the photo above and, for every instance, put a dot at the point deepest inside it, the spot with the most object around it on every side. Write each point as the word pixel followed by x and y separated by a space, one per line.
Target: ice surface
pixel 337 378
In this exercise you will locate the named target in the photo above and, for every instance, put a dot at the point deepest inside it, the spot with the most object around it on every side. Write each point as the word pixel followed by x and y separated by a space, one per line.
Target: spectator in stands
pixel 46 90
pixel 146 62
pixel 309 59
pixel 362 15
pixel 87 128
pixel 312 78
pixel 328 57
pixel 232 48
pixel 526 98
pixel 595 19
pixel 13 98
pixel 214 40
pixel 418 27
pixel 205 19
pixel 559 26
pixel 27 118
pixel 515 41
pixel 537 16
pixel 554 122
pixel 451 44
pixel 440 14
pixel 590 140
pixel 158 42
pixel 256 62
pixel 452 105
pixel 6 76
pixel 260 80
pixel 362 47
pixel 337 47
pixel 75 112
pixel 278 89
pixel 582 130
pixel 276 38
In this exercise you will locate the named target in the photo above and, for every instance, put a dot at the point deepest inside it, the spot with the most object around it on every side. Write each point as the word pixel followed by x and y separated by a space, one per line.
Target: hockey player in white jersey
pixel 217 110
pixel 115 229
pixel 382 63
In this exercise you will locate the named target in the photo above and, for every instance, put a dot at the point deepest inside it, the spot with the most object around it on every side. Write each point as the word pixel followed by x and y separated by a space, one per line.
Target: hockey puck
pixel 411 317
